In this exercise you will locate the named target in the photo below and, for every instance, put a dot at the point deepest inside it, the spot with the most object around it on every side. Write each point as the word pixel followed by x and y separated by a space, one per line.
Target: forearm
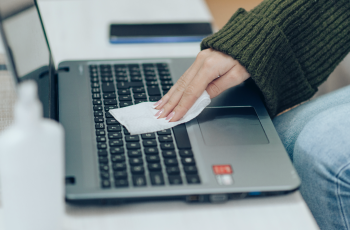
pixel 289 47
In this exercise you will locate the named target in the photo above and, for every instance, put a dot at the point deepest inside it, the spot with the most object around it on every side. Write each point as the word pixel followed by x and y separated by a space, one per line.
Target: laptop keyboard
pixel 154 159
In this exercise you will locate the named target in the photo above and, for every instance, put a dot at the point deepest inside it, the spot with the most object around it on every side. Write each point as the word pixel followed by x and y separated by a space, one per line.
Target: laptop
pixel 231 150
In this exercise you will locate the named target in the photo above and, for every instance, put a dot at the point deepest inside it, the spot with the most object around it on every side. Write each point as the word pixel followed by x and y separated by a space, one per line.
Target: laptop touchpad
pixel 231 126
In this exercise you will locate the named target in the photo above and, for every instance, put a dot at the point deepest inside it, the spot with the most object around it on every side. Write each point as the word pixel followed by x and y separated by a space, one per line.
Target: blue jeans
pixel 316 136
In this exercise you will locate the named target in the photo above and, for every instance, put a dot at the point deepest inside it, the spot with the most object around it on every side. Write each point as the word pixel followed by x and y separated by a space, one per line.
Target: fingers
pixel 174 93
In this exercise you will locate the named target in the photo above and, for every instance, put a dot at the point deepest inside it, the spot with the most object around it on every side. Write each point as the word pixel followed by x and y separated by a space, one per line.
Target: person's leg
pixel 322 159
pixel 317 138
pixel 290 124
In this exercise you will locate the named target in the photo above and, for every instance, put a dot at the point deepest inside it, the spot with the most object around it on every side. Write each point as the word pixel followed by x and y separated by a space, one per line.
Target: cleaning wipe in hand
pixel 139 119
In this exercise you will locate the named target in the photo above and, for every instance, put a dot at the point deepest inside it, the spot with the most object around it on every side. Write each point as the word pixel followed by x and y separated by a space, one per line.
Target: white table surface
pixel 78 29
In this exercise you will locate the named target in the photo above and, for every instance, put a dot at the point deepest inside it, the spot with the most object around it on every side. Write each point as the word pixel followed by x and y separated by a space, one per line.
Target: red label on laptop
pixel 222 169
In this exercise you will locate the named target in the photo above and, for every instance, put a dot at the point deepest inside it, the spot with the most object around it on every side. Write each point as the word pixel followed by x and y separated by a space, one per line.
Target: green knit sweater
pixel 289 47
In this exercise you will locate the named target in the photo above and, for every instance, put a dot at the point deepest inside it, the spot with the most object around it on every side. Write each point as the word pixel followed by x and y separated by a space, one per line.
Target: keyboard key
pixel 116 150
pixel 139 180
pixel 107 78
pixel 103 160
pixel 108 115
pixel 135 161
pixel 104 167
pixel 95 85
pixel 154 167
pixel 193 179
pixel 122 79
pixel 109 107
pixel 114 142
pixel 149 143
pixel 166 82
pixel 109 96
pixel 124 92
pixel 100 132
pixel 164 132
pixel 148 136
pixel 120 74
pixel 154 98
pixel 165 77
pixel 125 103
pixel 138 90
pixel 123 85
pixel 126 132
pixel 151 83
pixel 151 78
pixel 174 170
pixel 166 146
pixel 188 161
pixel 102 152
pixel 171 162
pixel 169 154
pixel 124 98
pixel 105 183
pixel 132 138
pixel 104 175
pixel 101 145
pixel 153 91
pixel 181 137
pixel 94 79
pixel 95 90
pixel 96 96
pixel 165 138
pixel 186 153
pixel 121 183
pixel 133 145
pixel 110 102
pixel 108 87
pixel 135 153
pixel 120 174
pixel 112 121
pixel 119 166
pixel 99 120
pixel 166 87
pixel 114 128
pixel 96 102
pixel 157 178
pixel 118 158
pixel 153 159
pixel 151 151
pixel 101 139
pixel 136 78
pixel 137 169
pixel 175 180
pixel 97 107
pixel 136 84
pixel 140 101
pixel 190 169
pixel 115 135
pixel 98 114
pixel 140 96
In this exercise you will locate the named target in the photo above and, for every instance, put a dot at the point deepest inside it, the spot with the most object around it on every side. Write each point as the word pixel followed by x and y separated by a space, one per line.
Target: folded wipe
pixel 139 119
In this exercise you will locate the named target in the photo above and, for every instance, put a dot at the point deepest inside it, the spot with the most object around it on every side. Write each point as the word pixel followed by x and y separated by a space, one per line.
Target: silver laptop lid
pixel 27 49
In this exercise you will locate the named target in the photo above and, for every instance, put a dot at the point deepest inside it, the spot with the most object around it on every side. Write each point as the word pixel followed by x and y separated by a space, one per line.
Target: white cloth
pixel 139 119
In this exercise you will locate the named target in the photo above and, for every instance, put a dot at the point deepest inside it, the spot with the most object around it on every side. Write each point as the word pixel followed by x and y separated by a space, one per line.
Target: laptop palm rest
pixel 225 126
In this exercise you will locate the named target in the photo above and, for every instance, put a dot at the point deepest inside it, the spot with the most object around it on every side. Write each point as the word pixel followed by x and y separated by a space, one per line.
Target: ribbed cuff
pixel 262 48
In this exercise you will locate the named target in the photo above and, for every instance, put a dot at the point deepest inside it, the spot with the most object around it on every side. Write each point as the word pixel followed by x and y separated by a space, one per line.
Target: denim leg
pixel 322 159
pixel 290 124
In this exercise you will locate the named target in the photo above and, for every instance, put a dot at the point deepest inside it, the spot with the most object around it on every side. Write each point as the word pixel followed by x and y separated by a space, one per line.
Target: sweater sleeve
pixel 289 47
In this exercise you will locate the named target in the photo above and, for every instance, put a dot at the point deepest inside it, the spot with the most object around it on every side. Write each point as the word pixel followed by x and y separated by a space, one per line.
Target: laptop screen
pixel 24 36
pixel 27 49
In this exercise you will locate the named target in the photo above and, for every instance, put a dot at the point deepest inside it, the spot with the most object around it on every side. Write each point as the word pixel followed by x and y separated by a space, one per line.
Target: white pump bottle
pixel 31 167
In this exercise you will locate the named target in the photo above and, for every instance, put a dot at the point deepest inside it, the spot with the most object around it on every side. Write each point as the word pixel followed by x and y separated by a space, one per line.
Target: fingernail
pixel 159 113
pixel 170 116
pixel 157 103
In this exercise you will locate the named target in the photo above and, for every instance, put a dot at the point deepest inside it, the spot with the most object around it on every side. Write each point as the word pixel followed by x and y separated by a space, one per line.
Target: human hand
pixel 202 75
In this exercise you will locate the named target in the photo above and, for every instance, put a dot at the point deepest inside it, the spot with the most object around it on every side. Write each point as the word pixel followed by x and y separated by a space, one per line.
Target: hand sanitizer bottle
pixel 31 167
